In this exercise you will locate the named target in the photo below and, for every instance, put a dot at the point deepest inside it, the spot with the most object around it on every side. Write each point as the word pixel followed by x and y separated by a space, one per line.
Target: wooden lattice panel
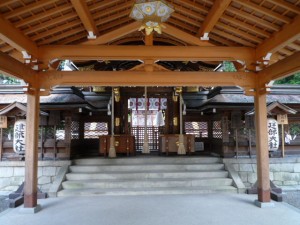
pixel 198 129
pixel 92 130
pixel 217 129
pixel 74 130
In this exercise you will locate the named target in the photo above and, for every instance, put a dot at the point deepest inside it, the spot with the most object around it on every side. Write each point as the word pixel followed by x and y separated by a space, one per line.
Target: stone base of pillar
pixel 112 149
pixel 264 204
pixel 32 210
pixel 146 148
pixel 146 145
pixel 181 148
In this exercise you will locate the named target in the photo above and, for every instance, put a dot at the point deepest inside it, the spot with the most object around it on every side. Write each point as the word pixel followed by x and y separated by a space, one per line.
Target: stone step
pixel 147 167
pixel 147 160
pixel 146 175
pixel 148 191
pixel 149 183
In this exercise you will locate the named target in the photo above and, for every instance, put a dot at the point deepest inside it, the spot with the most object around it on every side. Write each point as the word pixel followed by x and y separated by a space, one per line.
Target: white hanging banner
pixel 273 134
pixel 19 136
pixel 154 103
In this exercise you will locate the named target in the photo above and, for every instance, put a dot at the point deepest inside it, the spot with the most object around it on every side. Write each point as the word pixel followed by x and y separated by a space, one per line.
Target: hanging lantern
pixel 152 14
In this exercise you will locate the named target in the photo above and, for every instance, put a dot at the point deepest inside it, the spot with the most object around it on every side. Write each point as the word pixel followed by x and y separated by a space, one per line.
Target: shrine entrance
pixel 156 108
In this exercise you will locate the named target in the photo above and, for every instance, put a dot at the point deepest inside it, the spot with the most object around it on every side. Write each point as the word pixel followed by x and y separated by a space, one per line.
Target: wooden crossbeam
pixel 85 16
pixel 16 39
pixel 169 53
pixel 213 16
pixel 142 78
pixel 281 69
pixel 13 67
pixel 288 34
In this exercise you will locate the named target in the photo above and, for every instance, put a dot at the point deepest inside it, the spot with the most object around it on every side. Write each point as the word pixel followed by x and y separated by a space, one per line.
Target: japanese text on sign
pixel 282 119
pixel 19 136
pixel 273 134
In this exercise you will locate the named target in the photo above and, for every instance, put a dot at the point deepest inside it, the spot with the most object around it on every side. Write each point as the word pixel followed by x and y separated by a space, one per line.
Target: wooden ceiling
pixel 267 26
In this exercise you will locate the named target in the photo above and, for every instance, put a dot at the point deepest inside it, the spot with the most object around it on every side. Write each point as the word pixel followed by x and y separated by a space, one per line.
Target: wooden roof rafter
pixel 288 34
pixel 16 39
pixel 115 34
pixel 264 11
pixel 213 16
pixel 27 8
pixel 58 10
pixel 85 16
pixel 255 19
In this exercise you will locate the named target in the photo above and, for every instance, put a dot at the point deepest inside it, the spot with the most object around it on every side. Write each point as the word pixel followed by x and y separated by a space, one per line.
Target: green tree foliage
pixel 294 79
pixel 228 67
pixel 8 80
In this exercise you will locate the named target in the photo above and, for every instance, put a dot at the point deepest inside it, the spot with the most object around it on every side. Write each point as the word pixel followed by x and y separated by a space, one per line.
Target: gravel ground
pixel 291 197
pixel 3 203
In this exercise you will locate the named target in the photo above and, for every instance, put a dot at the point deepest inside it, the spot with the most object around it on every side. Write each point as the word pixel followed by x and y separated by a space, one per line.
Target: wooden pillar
pixel 31 154
pixel 118 115
pixel 1 143
pixel 262 152
pixel 175 119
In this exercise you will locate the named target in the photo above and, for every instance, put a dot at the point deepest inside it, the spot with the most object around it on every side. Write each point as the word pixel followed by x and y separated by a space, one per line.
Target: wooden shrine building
pixel 98 65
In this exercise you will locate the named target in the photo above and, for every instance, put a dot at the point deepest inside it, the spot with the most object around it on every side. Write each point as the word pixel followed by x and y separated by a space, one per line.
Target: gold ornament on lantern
pixel 152 14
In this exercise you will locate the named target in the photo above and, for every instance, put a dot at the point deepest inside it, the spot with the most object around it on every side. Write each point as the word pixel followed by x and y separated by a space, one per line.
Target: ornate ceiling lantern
pixel 152 14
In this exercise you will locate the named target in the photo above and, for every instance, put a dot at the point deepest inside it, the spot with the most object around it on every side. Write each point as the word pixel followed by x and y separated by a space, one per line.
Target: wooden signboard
pixel 3 121
pixel 282 119
pixel 19 136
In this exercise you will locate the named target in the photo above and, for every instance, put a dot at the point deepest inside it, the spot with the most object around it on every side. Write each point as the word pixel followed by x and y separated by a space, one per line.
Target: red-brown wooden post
pixel 31 155
pixel 262 152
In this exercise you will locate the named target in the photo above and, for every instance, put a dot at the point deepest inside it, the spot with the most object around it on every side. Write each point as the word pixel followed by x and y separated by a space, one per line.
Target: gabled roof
pixel 17 109
pixel 275 108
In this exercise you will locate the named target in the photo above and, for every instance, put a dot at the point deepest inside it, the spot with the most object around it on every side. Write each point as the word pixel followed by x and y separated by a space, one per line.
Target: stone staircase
pixel 146 175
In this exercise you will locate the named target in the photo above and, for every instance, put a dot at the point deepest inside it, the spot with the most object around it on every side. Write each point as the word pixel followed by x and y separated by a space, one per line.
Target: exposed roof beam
pixel 141 78
pixel 246 26
pixel 13 67
pixel 213 16
pixel 16 39
pixel 43 15
pixel 288 34
pixel 253 18
pixel 264 11
pixel 286 5
pixel 188 38
pixel 27 8
pixel 85 16
pixel 64 35
pixel 177 53
pixel 233 38
pixel 281 69
pixel 115 34
pixel 50 23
